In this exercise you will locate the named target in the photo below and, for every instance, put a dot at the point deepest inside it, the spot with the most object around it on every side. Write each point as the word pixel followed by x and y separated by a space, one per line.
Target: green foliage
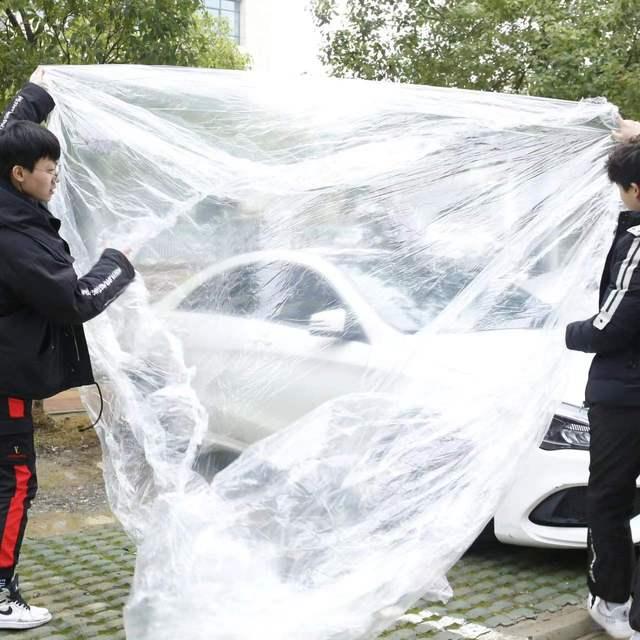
pixel 162 32
pixel 567 49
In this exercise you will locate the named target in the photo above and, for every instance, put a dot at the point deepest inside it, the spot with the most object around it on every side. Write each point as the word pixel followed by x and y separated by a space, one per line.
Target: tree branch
pixel 520 78
pixel 14 22
pixel 64 46
pixel 114 47
pixel 27 28
pixel 632 49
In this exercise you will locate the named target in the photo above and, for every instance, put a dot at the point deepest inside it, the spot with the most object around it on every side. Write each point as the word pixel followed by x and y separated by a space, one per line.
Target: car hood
pixel 574 390
pixel 494 350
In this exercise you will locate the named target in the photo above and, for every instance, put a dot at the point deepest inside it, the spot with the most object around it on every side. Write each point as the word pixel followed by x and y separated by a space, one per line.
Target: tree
pixel 568 49
pixel 171 32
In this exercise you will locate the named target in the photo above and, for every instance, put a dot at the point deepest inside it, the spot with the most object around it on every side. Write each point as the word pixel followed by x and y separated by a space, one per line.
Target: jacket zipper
pixel 75 343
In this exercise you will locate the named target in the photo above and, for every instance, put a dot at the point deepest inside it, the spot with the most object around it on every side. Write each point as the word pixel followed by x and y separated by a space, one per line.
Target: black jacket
pixel 42 301
pixel 614 333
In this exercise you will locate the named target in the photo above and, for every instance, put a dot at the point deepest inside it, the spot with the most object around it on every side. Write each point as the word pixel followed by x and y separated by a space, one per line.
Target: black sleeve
pixel 33 103
pixel 617 325
pixel 51 286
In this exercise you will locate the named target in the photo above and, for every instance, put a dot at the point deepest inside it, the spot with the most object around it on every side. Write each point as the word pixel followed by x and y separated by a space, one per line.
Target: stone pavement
pixel 84 579
pixel 504 589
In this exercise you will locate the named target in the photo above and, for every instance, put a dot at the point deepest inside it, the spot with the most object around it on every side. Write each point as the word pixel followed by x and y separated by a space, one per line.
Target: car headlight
pixel 569 429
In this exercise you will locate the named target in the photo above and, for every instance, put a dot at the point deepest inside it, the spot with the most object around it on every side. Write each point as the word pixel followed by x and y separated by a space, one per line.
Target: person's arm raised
pixel 627 131
pixel 32 103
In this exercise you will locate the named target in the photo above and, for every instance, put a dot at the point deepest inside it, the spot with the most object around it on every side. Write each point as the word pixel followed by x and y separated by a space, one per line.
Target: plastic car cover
pixel 444 237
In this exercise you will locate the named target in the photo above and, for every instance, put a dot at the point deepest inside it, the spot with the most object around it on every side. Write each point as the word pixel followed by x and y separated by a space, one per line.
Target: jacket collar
pixel 19 211
pixel 628 219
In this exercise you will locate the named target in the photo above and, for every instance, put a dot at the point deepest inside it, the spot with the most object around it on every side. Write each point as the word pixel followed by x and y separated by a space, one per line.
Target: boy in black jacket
pixel 42 307
pixel 613 398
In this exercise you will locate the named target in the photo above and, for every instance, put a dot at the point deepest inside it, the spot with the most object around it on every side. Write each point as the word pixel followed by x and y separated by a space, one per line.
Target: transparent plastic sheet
pixel 363 284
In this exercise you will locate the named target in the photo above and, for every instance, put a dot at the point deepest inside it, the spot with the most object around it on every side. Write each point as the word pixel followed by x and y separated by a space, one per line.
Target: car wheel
pixel 487 535
pixel 211 461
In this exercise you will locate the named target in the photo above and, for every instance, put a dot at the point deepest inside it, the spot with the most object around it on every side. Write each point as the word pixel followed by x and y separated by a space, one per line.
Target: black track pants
pixel 614 467
pixel 18 480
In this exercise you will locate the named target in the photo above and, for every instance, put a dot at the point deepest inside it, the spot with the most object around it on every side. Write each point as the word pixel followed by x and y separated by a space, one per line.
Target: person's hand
pixel 37 77
pixel 626 131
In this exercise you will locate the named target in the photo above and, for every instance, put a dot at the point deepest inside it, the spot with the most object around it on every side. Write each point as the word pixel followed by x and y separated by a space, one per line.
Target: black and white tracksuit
pixel 613 398
pixel 43 349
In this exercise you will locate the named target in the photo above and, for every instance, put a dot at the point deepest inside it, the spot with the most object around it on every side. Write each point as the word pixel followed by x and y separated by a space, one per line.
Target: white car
pixel 274 334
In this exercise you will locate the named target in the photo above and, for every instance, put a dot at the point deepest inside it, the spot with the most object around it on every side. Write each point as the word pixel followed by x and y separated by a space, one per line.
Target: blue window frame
pixel 230 11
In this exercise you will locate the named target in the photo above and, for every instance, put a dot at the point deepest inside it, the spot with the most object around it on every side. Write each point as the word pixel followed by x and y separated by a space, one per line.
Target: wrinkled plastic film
pixel 363 287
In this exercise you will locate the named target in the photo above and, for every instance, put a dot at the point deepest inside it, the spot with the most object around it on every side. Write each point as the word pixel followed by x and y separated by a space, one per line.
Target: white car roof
pixel 317 258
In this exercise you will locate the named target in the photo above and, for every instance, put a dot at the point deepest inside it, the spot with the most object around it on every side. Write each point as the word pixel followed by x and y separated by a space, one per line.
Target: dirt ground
pixel 71 493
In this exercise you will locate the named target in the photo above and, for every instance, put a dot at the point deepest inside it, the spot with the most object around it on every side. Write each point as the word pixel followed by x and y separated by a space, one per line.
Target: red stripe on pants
pixel 14 517
pixel 16 408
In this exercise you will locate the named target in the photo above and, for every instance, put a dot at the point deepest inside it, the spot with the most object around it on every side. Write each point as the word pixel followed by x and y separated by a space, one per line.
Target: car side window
pixel 292 294
pixel 274 291
pixel 231 293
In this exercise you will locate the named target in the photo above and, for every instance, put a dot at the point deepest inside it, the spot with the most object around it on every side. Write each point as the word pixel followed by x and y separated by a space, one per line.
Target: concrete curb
pixel 569 623
pixel 64 412
pixel 429 625
pixel 65 402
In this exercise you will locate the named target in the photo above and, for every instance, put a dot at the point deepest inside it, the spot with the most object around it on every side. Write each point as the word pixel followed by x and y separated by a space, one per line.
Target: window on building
pixel 230 11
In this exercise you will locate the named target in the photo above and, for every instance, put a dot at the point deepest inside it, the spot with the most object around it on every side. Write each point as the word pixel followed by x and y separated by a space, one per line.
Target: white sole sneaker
pixel 21 619
pixel 614 621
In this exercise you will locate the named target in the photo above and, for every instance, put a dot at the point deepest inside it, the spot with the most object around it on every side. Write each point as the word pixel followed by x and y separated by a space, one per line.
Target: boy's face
pixel 40 183
pixel 631 197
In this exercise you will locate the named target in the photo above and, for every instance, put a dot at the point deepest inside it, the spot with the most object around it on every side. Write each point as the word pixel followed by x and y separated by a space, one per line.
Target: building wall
pixel 228 10
pixel 280 36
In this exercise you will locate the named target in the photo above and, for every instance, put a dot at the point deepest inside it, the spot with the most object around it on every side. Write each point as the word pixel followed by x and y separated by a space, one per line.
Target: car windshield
pixel 404 295
pixel 408 294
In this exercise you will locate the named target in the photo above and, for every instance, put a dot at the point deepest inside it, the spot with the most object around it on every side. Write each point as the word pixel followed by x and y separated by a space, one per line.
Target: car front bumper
pixel 543 474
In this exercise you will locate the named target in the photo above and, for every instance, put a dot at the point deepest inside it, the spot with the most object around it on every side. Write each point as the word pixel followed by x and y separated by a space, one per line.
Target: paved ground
pixel 84 579
pixel 497 587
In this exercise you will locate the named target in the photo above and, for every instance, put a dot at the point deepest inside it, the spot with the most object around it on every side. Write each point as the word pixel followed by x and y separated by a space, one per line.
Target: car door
pixel 216 327
pixel 258 366
pixel 296 370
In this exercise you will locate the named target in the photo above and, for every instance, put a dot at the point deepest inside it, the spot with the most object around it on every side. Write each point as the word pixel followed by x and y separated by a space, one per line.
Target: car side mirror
pixel 330 324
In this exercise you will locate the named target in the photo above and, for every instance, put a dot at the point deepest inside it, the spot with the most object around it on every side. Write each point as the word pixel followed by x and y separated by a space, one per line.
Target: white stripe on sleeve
pixel 623 280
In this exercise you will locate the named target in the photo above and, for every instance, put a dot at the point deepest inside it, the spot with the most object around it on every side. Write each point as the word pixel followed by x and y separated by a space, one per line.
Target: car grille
pixel 568 508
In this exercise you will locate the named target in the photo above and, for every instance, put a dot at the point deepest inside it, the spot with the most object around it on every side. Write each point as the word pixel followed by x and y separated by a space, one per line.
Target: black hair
pixel 23 143
pixel 623 165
